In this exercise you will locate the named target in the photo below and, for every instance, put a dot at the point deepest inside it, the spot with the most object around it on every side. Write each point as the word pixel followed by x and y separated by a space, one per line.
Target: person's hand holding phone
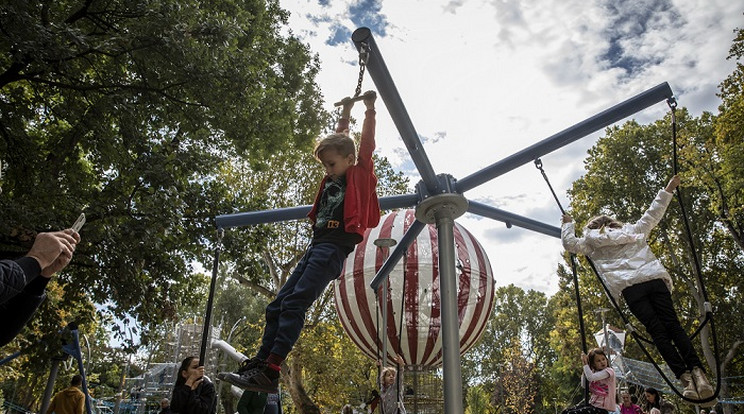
pixel 53 250
pixel 79 223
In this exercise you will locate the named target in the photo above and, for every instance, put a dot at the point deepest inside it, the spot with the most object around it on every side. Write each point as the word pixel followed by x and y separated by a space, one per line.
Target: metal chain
pixel 363 55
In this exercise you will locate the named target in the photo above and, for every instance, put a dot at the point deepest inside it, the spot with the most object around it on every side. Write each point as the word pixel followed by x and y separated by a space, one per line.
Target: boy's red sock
pixel 275 360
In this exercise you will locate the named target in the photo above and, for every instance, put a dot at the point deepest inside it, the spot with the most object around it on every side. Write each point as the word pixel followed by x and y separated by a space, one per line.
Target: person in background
pixel 165 406
pixel 273 404
pixel 627 406
pixel 193 392
pixel 601 378
pixel 391 388
pixel 71 400
pixel 655 404
pixel 254 402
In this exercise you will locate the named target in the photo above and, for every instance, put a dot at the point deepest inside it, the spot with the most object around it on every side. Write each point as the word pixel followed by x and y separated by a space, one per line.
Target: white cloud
pixel 482 80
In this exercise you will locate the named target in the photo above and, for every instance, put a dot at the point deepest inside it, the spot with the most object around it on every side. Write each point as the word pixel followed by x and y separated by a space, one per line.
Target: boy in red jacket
pixel 345 206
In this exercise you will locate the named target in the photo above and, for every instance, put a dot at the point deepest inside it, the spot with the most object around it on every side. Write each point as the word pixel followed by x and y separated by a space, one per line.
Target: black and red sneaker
pixel 260 378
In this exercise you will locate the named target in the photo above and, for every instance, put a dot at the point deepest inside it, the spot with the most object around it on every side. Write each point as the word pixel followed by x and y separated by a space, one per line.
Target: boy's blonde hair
pixel 341 143
pixel 603 221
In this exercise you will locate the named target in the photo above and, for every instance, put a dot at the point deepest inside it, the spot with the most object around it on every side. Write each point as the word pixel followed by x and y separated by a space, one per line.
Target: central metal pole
pixel 450 327
pixel 442 209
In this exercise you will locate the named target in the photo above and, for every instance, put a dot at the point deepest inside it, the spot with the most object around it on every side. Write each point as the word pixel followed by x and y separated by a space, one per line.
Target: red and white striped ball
pixel 419 341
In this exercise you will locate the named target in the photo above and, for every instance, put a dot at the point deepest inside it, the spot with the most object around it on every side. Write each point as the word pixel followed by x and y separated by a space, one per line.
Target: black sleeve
pixel 199 401
pixel 19 309
pixel 15 274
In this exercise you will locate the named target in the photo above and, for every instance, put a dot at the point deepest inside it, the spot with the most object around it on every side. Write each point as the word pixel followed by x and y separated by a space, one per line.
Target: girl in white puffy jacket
pixel 630 269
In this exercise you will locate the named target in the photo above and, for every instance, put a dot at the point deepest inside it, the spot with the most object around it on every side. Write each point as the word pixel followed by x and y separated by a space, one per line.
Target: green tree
pixel 728 192
pixel 521 315
pixel 477 401
pixel 126 110
pixel 518 382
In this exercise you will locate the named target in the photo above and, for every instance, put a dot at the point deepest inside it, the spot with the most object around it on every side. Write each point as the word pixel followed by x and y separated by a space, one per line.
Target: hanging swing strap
pixel 363 56
pixel 574 273
pixel 707 307
pixel 379 342
pixel 539 166
pixel 210 297
pixel 377 331
pixel 675 165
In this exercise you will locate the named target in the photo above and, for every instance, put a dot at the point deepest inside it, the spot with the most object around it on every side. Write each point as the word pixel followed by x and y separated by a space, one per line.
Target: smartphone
pixel 79 222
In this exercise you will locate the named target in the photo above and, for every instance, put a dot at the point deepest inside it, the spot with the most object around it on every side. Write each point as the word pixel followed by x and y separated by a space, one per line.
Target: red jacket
pixel 361 207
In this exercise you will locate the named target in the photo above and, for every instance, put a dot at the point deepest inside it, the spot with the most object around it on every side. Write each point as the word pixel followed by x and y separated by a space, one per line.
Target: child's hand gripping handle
pixel 361 97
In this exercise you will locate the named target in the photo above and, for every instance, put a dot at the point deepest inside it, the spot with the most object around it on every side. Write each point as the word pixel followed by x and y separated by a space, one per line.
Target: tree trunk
pixel 301 400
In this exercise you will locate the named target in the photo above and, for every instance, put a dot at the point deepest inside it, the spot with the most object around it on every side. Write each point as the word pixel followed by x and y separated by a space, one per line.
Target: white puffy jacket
pixel 622 256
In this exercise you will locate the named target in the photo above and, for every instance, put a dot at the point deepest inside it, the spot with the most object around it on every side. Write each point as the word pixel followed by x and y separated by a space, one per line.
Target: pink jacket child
pixel 601 379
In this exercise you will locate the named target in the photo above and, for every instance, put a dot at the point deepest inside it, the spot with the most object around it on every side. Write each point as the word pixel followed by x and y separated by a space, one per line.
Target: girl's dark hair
pixel 594 352
pixel 656 404
pixel 185 364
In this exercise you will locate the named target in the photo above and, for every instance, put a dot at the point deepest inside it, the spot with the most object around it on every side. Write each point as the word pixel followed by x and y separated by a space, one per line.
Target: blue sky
pixel 482 80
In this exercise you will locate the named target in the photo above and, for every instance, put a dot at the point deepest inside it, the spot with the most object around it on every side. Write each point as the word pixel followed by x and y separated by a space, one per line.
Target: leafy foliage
pixel 127 110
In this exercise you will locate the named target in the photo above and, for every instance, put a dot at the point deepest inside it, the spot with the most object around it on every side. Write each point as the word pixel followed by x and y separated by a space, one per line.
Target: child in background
pixel 629 268
pixel 390 388
pixel 345 206
pixel 601 385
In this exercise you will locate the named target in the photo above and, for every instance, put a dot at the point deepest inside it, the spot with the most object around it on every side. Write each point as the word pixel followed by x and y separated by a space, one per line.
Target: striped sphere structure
pixel 413 286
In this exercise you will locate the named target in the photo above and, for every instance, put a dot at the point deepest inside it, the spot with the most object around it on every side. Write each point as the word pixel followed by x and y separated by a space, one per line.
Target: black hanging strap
pixel 708 308
pixel 210 298
pixel 572 257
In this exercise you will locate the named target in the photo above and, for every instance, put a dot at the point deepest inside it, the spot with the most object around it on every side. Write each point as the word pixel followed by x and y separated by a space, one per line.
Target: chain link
pixel 363 56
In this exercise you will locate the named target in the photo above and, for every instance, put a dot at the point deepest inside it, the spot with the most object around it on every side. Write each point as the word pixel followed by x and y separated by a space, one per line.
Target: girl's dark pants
pixel 584 408
pixel 652 304
pixel 285 316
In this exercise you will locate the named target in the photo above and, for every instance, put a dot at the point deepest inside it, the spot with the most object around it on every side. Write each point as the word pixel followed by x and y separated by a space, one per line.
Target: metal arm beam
pixel 512 219
pixel 389 93
pixel 571 134
pixel 298 213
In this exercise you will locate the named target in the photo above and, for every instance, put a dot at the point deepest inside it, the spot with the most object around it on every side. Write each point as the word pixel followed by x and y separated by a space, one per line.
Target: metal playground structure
pixel 439 199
